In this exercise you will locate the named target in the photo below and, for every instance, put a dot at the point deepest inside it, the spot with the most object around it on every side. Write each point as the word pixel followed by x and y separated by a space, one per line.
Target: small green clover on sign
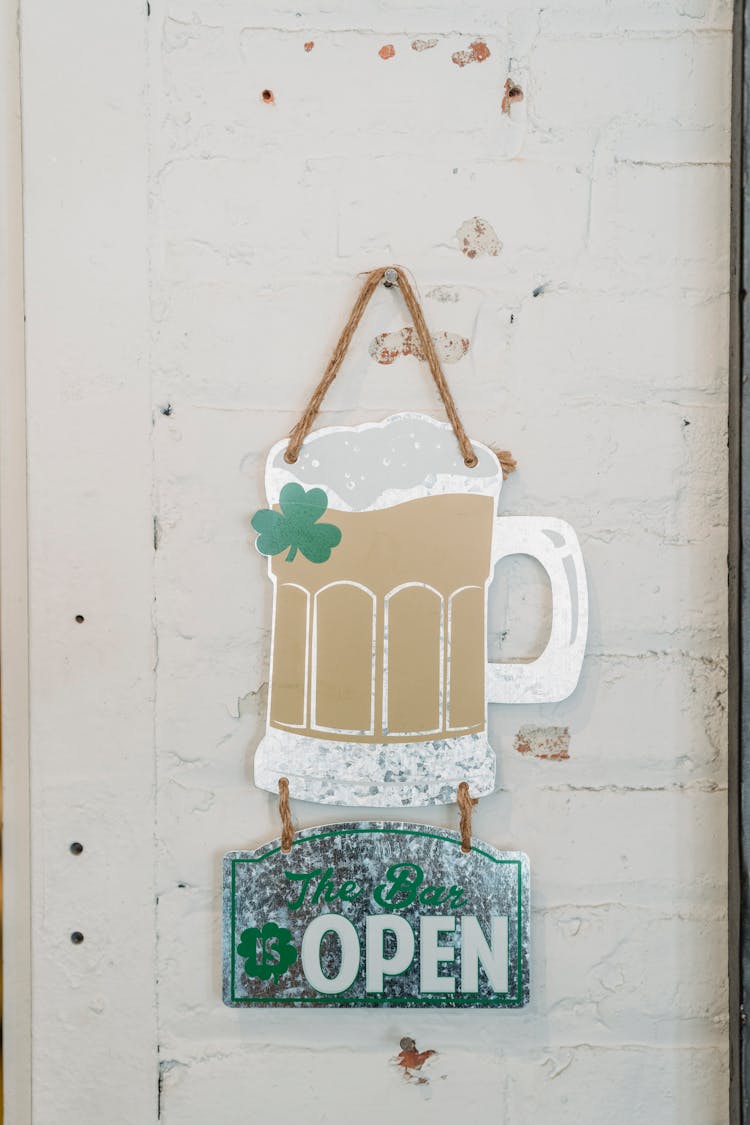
pixel 296 527
pixel 267 951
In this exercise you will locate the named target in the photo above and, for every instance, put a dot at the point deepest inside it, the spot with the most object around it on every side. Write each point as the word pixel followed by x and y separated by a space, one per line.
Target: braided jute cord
pixel 372 280
pixel 287 828
pixel 466 804
pixel 507 461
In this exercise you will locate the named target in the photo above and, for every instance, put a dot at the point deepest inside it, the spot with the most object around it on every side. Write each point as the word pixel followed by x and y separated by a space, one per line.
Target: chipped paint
pixel 423 44
pixel 477 238
pixel 387 52
pixel 444 293
pixel 388 346
pixel 309 45
pixel 477 52
pixel 412 1060
pixel 550 743
pixel 267 97
pixel 512 93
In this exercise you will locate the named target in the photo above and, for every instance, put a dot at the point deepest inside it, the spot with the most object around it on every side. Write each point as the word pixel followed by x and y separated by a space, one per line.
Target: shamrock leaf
pixel 268 951
pixel 296 527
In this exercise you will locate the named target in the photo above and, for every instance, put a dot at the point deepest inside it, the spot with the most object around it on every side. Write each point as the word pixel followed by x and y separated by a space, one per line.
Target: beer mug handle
pixel 554 674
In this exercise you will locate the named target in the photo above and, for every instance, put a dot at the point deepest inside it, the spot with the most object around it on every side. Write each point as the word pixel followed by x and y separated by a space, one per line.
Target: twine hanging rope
pixel 372 280
pixel 287 828
pixel 507 461
pixel 466 804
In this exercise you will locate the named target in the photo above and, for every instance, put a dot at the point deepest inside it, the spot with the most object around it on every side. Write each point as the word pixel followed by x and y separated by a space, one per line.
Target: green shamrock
pixel 296 527
pixel 268 951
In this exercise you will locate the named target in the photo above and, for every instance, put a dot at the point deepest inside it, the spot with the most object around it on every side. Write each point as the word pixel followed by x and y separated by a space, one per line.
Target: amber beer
pixel 385 642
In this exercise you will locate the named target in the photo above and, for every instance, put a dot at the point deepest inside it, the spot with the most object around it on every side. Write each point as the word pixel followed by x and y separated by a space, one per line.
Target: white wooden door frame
pixel 77 543
pixel 14 665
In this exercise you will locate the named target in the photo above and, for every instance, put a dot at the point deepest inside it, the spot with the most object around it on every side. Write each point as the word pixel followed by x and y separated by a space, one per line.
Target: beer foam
pixel 379 464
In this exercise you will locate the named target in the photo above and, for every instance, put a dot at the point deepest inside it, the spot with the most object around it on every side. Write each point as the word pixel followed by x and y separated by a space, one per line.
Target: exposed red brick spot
pixel 476 238
pixel 551 743
pixel 477 52
pixel 414 1060
pixel 423 44
pixel 411 1059
pixel 387 52
pixel 267 97
pixel 309 45
pixel 388 346
pixel 512 93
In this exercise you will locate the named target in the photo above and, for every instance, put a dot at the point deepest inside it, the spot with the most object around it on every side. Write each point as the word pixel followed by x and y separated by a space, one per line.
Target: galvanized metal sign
pixel 375 914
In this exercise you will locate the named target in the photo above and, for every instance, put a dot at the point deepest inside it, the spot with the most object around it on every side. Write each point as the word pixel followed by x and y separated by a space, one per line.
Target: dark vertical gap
pixel 739 686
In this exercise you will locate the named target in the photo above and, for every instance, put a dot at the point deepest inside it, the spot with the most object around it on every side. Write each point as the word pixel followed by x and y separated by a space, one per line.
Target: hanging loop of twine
pixel 372 280
pixel 508 463
pixel 287 828
pixel 466 804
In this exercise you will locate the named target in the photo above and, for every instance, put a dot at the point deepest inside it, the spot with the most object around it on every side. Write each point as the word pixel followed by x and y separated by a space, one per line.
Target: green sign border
pixel 377 1002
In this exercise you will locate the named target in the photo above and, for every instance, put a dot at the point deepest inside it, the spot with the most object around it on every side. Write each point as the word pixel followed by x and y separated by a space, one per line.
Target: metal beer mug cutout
pixel 382 543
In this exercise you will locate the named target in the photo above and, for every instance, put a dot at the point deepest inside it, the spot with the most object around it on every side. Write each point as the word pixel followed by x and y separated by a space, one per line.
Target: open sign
pixel 375 914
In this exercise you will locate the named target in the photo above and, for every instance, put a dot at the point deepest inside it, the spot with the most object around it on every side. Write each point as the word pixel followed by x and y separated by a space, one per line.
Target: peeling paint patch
pixel 445 294
pixel 423 44
pixel 387 52
pixel 309 45
pixel 477 238
pixel 512 93
pixel 411 1060
pixel 388 346
pixel 252 702
pixel 550 743
pixel 693 9
pixel 165 1066
pixel 477 52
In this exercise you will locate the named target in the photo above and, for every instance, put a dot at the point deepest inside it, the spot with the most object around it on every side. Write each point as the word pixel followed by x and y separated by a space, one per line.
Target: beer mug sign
pixel 381 546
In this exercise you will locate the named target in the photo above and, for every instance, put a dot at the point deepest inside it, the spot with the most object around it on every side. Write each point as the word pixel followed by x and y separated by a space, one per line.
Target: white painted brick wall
pixel 608 187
